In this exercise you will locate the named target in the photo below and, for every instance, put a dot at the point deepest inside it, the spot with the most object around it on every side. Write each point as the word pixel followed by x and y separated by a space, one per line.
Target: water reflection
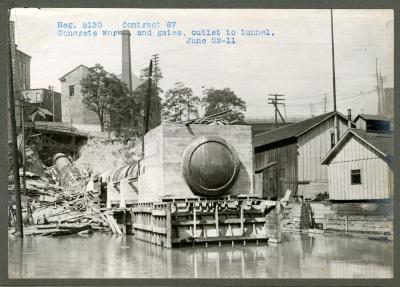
pixel 106 256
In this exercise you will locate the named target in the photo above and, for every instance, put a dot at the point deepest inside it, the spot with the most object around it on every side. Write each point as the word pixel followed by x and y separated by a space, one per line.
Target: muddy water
pixel 106 256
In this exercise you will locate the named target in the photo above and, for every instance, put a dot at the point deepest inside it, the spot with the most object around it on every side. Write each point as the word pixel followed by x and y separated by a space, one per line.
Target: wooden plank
pixel 216 220
pixel 241 220
pixel 114 224
pixel 168 226
pixel 221 238
pixel 220 221
pixel 156 212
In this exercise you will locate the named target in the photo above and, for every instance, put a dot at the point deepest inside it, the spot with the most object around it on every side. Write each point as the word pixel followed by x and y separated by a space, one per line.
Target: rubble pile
pixel 100 155
pixel 51 209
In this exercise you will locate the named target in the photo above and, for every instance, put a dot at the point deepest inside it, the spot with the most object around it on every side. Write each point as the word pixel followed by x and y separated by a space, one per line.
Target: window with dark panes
pixel 355 176
pixel 332 140
pixel 71 90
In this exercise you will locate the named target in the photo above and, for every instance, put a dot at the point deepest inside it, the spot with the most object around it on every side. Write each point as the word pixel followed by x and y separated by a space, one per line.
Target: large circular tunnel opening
pixel 210 166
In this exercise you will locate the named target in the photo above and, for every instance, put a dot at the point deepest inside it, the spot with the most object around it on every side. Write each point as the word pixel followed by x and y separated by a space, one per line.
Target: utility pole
pixel 11 83
pixel 51 88
pixel 325 101
pixel 275 100
pixel 22 119
pixel 147 105
pixel 311 110
pixel 335 120
pixel 383 108
pixel 155 62
pixel 188 107
pixel 378 88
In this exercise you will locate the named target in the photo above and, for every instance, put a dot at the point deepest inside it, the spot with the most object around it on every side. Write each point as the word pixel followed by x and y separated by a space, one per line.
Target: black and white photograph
pixel 200 143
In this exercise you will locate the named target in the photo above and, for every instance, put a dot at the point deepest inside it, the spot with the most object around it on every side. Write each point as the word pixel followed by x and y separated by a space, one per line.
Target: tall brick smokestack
pixel 126 58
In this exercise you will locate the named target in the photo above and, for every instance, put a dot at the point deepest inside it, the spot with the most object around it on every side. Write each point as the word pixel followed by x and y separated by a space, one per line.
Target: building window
pixel 355 176
pixel 71 90
pixel 332 139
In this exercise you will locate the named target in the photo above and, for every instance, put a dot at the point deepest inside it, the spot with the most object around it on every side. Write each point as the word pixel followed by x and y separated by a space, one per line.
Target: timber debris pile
pixel 221 119
pixel 62 199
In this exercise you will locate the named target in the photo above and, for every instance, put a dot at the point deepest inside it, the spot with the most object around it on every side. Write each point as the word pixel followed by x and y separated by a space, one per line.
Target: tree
pixel 122 104
pixel 141 92
pixel 104 93
pixel 216 101
pixel 179 103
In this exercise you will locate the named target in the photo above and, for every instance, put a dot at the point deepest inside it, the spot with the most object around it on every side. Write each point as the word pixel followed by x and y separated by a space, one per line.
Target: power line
pixel 276 99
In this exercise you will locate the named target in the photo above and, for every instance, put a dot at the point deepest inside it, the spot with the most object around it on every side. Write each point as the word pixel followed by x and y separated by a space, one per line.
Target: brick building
pixel 22 78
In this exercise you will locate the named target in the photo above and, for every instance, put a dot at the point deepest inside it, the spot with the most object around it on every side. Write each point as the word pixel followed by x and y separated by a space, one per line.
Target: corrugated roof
pixel 382 143
pixel 290 131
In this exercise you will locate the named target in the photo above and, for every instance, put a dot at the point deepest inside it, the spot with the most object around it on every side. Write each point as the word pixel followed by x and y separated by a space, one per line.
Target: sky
pixel 296 61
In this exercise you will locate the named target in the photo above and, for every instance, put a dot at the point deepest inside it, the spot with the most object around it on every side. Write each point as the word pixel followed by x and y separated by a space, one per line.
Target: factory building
pixel 76 113
pixel 290 157
pixel 360 165
pixel 133 82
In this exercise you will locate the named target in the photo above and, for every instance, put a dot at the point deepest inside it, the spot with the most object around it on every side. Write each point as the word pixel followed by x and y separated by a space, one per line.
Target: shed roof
pixel 291 131
pixel 42 110
pixel 371 117
pixel 382 143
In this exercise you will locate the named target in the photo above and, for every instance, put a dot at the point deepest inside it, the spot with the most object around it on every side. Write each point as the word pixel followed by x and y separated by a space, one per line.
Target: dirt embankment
pixel 99 155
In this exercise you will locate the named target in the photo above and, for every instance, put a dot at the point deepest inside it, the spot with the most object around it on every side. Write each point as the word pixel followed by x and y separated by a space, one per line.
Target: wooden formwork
pixel 182 221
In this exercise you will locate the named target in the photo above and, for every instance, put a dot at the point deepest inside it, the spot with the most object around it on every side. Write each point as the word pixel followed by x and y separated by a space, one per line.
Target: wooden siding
pixel 286 158
pixel 361 124
pixel 312 147
pixel 376 176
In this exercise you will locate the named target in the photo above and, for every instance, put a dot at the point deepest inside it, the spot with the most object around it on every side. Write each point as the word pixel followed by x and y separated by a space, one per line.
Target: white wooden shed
pixel 359 166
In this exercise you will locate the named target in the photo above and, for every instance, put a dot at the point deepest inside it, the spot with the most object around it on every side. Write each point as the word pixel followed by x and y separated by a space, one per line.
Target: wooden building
pixel 359 166
pixel 290 157
pixel 372 123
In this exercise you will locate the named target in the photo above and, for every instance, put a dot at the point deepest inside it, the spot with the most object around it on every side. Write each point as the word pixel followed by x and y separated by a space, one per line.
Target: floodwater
pixel 105 256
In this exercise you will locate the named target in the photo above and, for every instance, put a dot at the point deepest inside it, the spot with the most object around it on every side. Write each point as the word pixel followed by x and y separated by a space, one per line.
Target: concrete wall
pixel 376 175
pixel 356 217
pixel 164 149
